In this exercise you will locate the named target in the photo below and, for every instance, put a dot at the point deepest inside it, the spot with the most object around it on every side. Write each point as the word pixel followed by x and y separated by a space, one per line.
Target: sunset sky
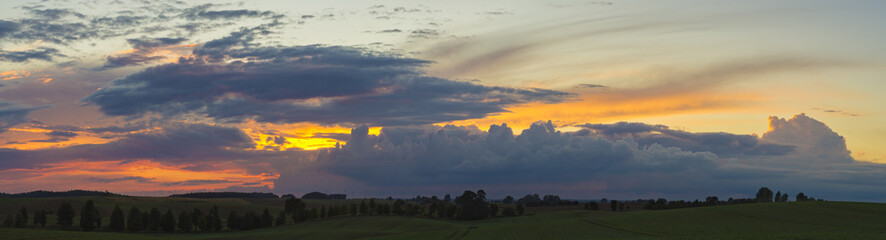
pixel 584 99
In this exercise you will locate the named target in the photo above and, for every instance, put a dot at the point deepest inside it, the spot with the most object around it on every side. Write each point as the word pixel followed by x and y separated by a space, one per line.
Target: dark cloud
pixel 425 33
pixel 840 112
pixel 151 43
pixel 197 182
pixel 722 144
pixel 43 53
pixel 178 143
pixel 204 12
pixel 593 86
pixel 61 134
pixel 390 31
pixel 410 159
pixel 323 84
pixel 12 114
pixel 7 28
pixel 337 136
pixel 121 179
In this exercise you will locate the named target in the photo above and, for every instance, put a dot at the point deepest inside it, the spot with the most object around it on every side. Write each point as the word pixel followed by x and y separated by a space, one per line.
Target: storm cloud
pixel 314 83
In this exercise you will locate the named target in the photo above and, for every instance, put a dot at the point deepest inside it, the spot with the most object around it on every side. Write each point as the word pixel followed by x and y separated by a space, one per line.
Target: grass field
pixel 795 220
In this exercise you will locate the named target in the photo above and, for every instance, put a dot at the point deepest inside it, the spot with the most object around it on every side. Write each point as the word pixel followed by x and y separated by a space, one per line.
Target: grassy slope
pixel 805 220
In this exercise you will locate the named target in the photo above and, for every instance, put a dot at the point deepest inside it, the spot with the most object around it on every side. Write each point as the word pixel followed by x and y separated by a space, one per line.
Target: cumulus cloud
pixel 144 52
pixel 12 114
pixel 622 159
pixel 322 84
pixel 811 136
pixel 721 143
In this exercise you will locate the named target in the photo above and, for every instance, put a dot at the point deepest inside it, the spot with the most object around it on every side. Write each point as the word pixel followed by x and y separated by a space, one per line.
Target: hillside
pixel 804 220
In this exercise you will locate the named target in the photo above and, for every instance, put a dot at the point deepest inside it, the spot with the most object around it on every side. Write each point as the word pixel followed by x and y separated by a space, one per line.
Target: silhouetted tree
pixel 184 222
pixel 40 218
pixel 213 219
pixel 447 198
pixel 19 221
pixel 353 209
pixel 234 221
pixel 296 208
pixel 24 213
pixel 372 205
pixel 167 223
pixel 266 219
pixel 777 196
pixel 117 220
pixel 520 209
pixel 764 195
pixel 509 212
pixel 364 209
pixel 154 220
pixel 89 216
pixel 712 200
pixel 614 205
pixel 281 219
pixel 508 200
pixel 472 206
pixel 784 197
pixel 198 219
pixel 493 210
pixel 134 220
pixel 801 197
pixel 65 215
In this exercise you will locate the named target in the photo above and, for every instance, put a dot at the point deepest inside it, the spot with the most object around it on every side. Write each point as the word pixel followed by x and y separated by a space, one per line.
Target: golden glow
pixel 154 176
pixel 11 75
pixel 307 136
pixel 603 107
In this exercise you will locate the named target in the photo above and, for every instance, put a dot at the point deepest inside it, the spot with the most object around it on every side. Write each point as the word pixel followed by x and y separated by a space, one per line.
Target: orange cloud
pixel 11 75
pixel 307 136
pixel 121 176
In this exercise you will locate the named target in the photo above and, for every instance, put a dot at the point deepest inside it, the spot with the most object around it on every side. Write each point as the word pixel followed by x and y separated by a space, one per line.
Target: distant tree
pixel 593 206
pixel 447 198
pixel 493 210
pixel 281 219
pixel 604 200
pixel 621 207
pixel 19 221
pixel 372 205
pixel 234 221
pixel 24 213
pixel 784 197
pixel 614 205
pixel 134 220
pixel 397 208
pixel 89 216
pixel 472 206
pixel 184 222
pixel 777 196
pixel 167 223
pixel 154 220
pixel 198 219
pixel 364 209
pixel 266 219
pixel 712 200
pixel 296 208
pixel 801 197
pixel 509 212
pixel 65 215
pixel 353 209
pixel 40 218
pixel 764 195
pixel 508 200
pixel 213 219
pixel 323 212
pixel 520 209
pixel 117 220
pixel 10 221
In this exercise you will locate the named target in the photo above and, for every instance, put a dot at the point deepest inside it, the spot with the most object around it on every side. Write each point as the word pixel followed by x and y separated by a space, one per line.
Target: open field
pixel 794 220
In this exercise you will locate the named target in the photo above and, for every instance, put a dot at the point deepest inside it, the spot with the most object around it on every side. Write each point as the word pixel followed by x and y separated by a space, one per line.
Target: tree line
pixel 136 220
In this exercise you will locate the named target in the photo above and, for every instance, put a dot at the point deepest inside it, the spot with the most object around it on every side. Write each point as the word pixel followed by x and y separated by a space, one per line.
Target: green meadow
pixel 792 220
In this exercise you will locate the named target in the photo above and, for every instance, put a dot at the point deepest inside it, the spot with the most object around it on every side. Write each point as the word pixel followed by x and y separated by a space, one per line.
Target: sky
pixel 584 99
